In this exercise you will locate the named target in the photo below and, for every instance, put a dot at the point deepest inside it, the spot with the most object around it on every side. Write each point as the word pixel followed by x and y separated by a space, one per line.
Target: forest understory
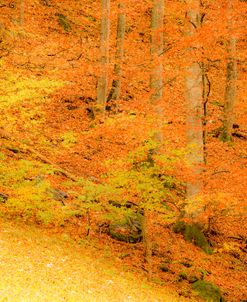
pixel 114 181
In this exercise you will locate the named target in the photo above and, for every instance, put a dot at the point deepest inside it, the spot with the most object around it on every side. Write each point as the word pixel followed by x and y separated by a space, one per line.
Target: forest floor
pixel 48 90
pixel 37 266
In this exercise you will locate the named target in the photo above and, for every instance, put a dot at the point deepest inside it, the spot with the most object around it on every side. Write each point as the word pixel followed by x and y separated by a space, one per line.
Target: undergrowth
pixel 29 190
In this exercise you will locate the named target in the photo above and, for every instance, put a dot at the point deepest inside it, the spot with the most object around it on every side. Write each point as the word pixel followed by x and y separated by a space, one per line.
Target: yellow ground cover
pixel 36 266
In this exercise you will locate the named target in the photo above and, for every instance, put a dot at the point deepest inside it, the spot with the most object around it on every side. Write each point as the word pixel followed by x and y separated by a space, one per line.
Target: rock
pixel 128 229
pixel 194 234
pixel 192 278
pixel 58 195
pixel 72 107
pixel 182 276
pixel 63 21
pixel 164 267
pixel 208 291
pixel 186 264
pixel 3 197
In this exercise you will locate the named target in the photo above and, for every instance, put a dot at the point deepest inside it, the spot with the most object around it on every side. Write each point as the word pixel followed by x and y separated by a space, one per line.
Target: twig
pixel 220 171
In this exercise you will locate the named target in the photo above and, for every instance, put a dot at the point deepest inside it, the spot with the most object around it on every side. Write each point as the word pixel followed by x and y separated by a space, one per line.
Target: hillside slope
pixel 35 267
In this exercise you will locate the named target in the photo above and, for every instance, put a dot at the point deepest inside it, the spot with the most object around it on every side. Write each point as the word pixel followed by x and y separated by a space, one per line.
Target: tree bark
pixel 156 85
pixel 104 53
pixel 157 47
pixel 147 242
pixel 231 78
pixel 22 12
pixel 116 83
pixel 193 96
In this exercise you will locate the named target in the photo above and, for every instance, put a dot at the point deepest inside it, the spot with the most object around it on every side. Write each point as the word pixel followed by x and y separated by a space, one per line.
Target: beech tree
pixel 193 96
pixel 156 85
pixel 157 47
pixel 104 54
pixel 116 83
pixel 22 12
pixel 231 77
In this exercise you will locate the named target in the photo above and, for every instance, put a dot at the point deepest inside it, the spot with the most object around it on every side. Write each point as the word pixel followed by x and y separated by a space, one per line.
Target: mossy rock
pixel 179 227
pixel 186 264
pixel 208 291
pixel 193 233
pixel 182 276
pixel 193 278
pixel 128 229
pixel 64 22
pixel 164 267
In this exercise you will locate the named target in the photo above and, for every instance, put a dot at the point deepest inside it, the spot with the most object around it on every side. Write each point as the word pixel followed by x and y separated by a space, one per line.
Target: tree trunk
pixel 22 12
pixel 206 90
pixel 193 96
pixel 147 242
pixel 231 77
pixel 156 85
pixel 104 53
pixel 157 48
pixel 116 83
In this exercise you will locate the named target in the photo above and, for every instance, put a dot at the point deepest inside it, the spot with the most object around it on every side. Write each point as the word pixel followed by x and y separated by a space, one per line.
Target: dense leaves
pixel 124 171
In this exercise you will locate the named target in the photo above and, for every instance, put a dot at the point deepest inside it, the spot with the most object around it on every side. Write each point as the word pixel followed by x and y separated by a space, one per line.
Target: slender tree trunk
pixel 22 12
pixel 193 96
pixel 157 48
pixel 231 77
pixel 206 90
pixel 156 85
pixel 147 242
pixel 104 52
pixel 116 83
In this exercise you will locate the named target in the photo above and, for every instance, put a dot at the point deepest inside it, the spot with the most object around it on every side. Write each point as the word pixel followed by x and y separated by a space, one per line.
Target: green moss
pixel 182 276
pixel 179 227
pixel 224 137
pixel 193 233
pixel 208 291
pixel 64 22
pixel 128 229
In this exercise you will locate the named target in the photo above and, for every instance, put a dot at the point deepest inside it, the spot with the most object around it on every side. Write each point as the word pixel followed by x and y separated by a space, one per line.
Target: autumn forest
pixel 123 150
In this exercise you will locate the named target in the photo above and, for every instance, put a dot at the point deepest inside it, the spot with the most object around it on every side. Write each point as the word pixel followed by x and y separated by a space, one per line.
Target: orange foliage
pixel 41 47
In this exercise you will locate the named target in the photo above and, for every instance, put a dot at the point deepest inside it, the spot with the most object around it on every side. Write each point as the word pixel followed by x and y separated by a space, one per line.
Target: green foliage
pixel 69 139
pixel 193 233
pixel 142 177
pixel 91 195
pixel 17 89
pixel 208 291
pixel 2 156
pixel 29 197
